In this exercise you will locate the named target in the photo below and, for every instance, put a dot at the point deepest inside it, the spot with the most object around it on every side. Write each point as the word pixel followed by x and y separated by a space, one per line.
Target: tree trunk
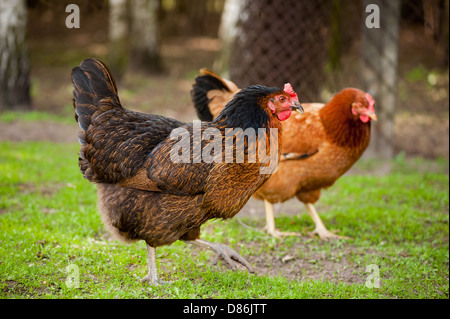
pixel 118 37
pixel 227 34
pixel 444 36
pixel 197 16
pixel 379 58
pixel 145 53
pixel 14 62
pixel 335 50
pixel 431 9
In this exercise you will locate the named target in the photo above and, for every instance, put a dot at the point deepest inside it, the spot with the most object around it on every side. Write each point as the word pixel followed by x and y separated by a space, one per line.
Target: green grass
pixel 34 116
pixel 49 223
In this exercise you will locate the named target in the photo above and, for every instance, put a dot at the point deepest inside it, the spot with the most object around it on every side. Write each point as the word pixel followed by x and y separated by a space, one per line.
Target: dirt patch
pixel 14 287
pixel 303 261
pixel 317 266
pixel 422 135
pixel 19 131
pixel 41 189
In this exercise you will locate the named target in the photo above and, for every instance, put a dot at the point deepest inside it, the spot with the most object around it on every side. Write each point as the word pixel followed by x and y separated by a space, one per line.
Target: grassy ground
pixel 51 235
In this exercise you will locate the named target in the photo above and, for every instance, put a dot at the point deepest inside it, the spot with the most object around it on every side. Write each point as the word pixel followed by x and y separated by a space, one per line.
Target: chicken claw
pixel 270 223
pixel 227 254
pixel 320 229
pixel 279 234
pixel 325 234
pixel 223 251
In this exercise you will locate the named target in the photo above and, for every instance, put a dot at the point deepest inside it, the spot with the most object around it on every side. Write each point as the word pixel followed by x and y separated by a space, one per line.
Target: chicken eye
pixel 282 99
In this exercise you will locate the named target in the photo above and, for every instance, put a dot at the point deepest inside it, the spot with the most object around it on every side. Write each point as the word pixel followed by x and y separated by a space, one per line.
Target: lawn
pixel 53 244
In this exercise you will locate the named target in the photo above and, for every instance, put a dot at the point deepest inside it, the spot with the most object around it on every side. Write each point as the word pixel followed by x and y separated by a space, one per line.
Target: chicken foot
pixel 320 229
pixel 152 276
pixel 223 251
pixel 270 223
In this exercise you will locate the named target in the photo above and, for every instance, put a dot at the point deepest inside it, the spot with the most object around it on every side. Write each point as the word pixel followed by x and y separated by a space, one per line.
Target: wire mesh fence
pixel 325 45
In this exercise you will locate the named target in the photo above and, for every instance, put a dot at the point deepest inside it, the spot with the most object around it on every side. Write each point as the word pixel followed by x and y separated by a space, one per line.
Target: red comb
pixel 289 90
pixel 371 102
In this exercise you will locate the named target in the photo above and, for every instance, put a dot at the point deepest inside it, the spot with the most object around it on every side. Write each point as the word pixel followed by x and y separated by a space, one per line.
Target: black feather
pixel 203 84
pixel 244 110
pixel 92 82
pixel 81 79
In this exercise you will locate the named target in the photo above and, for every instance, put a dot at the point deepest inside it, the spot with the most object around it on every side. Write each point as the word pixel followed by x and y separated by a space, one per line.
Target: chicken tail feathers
pixel 205 83
pixel 94 92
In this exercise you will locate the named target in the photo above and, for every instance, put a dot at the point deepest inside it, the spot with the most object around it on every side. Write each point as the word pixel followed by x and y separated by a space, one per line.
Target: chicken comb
pixel 371 102
pixel 289 90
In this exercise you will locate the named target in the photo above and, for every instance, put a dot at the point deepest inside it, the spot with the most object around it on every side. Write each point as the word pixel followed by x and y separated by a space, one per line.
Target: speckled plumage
pixel 142 194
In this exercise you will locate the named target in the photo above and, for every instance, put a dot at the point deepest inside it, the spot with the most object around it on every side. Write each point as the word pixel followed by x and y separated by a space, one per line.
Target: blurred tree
pixel 335 49
pixel 118 27
pixel 227 34
pixel 437 25
pixel 145 51
pixel 14 61
pixel 196 14
pixel 432 12
pixel 379 62
pixel 190 18
pixel 444 38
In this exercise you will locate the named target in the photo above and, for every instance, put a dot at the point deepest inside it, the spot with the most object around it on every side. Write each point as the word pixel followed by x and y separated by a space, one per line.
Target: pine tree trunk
pixel 145 54
pixel 14 63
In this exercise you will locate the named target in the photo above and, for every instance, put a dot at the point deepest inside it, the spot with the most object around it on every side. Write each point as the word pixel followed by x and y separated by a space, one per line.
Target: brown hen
pixel 317 147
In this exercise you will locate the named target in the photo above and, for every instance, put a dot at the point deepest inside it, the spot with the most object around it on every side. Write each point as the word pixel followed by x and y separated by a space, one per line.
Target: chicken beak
pixel 297 107
pixel 373 116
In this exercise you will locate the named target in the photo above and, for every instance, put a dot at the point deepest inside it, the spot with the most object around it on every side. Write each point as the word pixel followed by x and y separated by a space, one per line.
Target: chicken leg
pixel 222 251
pixel 152 276
pixel 320 229
pixel 270 223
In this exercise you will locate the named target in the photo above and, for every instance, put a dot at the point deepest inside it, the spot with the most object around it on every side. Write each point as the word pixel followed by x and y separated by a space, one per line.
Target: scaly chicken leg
pixel 320 229
pixel 222 251
pixel 270 223
pixel 152 276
